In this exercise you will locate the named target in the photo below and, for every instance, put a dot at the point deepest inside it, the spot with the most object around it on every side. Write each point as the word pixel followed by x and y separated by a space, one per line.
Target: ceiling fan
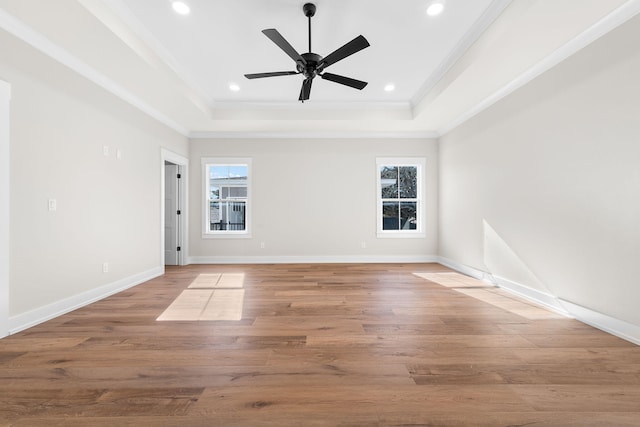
pixel 311 64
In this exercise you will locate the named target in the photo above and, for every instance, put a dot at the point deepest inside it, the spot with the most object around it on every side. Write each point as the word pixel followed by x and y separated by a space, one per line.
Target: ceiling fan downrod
pixel 309 10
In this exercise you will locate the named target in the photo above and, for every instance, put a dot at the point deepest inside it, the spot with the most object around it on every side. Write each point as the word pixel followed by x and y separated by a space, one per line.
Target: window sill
pixel 227 235
pixel 401 235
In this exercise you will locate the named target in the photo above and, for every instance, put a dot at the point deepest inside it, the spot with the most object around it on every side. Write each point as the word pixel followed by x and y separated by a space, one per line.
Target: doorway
pixel 172 214
pixel 174 205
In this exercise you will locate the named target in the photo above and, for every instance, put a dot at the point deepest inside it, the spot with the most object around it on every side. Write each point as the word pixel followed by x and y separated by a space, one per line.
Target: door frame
pixel 183 163
pixel 5 244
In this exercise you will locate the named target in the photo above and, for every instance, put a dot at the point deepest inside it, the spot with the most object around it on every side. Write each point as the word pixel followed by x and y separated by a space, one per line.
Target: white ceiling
pixel 220 41
pixel 178 68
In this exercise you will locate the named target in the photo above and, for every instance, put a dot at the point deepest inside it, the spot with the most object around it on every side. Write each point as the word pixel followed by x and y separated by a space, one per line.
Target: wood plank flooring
pixel 319 345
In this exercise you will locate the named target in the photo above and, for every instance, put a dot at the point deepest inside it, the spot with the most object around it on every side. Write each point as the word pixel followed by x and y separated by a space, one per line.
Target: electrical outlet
pixel 363 245
pixel 53 204
pixel 105 267
pixel 262 245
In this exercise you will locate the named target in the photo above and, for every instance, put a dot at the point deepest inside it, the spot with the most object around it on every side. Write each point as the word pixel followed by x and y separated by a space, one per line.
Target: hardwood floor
pixel 317 345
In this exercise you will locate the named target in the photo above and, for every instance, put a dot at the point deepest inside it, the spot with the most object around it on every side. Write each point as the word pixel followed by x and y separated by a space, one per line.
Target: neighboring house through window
pixel 400 188
pixel 227 189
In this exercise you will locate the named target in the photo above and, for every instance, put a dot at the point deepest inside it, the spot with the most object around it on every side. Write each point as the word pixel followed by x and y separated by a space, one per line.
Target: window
pixel 227 189
pixel 400 197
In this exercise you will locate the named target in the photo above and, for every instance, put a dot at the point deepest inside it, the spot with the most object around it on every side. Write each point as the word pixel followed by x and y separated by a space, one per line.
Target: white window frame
pixel 224 234
pixel 420 164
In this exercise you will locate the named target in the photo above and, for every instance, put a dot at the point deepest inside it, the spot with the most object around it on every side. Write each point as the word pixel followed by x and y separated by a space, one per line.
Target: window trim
pixel 420 163
pixel 225 234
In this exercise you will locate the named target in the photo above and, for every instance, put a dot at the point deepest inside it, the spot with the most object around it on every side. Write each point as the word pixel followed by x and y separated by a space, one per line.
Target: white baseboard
pixel 617 327
pixel 541 298
pixel 409 259
pixel 42 314
pixel 464 269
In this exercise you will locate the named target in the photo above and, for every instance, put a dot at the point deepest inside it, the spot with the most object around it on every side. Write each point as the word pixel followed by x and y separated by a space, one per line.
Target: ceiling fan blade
pixel 355 45
pixel 305 91
pixel 277 38
pixel 347 81
pixel 274 74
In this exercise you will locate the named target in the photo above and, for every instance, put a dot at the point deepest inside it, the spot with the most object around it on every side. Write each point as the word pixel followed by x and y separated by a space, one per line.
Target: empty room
pixel 327 213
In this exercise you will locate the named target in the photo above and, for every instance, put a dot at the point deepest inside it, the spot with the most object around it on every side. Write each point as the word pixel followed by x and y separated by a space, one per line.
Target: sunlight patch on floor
pixel 454 280
pixel 490 294
pixel 205 281
pixel 213 281
pixel 507 301
pixel 209 297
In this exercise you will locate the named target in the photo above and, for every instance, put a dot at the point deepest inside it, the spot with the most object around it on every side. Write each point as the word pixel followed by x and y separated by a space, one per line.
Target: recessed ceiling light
pixel 181 8
pixel 234 87
pixel 390 87
pixel 435 9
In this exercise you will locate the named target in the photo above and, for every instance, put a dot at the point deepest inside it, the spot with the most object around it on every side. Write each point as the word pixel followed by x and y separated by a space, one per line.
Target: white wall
pixel 313 200
pixel 5 96
pixel 554 171
pixel 108 209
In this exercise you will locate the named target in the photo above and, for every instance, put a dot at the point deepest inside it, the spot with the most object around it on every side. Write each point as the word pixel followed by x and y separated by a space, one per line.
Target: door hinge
pixel 178 249
pixel 179 176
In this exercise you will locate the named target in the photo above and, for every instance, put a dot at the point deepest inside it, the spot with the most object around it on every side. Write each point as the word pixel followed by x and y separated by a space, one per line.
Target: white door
pixel 171 214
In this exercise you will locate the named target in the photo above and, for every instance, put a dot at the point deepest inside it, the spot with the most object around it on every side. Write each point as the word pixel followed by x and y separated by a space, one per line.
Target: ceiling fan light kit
pixel 311 64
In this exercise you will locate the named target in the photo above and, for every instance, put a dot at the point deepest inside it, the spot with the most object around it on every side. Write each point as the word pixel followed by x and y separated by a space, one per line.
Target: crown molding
pixel 314 110
pixel 312 135
pixel 314 105
pixel 471 36
pixel 613 20
pixel 38 41
pixel 149 43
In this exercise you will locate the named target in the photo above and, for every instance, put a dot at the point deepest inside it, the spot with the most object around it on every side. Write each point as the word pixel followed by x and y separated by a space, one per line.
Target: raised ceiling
pixel 178 68
pixel 220 41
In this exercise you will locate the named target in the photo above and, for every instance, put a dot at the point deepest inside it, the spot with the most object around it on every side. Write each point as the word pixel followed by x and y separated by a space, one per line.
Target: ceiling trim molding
pixel 611 21
pixel 314 105
pixel 119 8
pixel 315 110
pixel 313 135
pixel 38 41
pixel 494 10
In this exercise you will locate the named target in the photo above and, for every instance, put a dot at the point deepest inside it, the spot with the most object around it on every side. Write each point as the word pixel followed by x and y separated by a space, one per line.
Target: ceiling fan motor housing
pixel 311 69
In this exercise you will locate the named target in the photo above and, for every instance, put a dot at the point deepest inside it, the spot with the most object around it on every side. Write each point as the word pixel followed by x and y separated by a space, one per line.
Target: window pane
pixel 390 216
pixel 389 182
pixel 214 215
pixel 408 215
pixel 408 182
pixel 238 192
pixel 228 171
pixel 238 171
pixel 236 215
pixel 214 193
pixel 227 216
